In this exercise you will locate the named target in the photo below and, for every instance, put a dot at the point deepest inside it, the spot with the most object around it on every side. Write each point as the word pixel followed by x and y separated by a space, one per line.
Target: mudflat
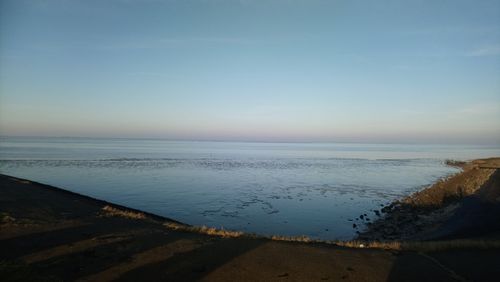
pixel 50 234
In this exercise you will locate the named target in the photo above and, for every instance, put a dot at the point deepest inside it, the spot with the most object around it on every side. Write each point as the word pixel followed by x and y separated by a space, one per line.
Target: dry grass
pixel 6 218
pixel 212 231
pixel 423 246
pixel 302 238
pixel 420 246
pixel 111 211
pixel 204 230
pixel 392 245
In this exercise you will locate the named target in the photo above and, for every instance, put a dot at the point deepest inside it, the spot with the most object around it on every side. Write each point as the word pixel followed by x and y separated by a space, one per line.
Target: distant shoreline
pixel 352 142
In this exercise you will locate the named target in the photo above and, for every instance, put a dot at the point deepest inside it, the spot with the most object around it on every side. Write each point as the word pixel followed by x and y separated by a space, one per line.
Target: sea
pixel 290 189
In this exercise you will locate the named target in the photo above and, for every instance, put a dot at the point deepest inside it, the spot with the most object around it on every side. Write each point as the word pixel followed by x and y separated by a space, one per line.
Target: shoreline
pixel 426 214
pixel 48 233
pixel 422 209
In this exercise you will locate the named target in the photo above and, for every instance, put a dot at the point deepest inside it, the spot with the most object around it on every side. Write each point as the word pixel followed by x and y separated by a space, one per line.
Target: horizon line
pixel 252 141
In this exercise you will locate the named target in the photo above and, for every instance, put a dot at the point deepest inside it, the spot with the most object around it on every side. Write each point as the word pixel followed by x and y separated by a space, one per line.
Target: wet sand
pixel 48 234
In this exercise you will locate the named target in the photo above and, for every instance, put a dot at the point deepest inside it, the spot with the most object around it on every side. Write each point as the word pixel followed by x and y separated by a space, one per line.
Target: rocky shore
pixel 465 201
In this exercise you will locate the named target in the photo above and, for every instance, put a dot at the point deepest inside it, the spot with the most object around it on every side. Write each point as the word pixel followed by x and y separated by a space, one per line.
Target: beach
pixel 52 234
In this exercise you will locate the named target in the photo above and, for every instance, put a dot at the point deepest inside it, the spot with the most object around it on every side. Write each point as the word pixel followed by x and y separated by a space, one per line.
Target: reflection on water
pixel 267 188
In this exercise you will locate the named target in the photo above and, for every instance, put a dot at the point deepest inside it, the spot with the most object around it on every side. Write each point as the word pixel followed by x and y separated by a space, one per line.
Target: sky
pixel 279 70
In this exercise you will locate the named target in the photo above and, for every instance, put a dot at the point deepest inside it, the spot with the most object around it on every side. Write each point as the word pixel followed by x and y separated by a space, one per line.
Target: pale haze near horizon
pixel 313 71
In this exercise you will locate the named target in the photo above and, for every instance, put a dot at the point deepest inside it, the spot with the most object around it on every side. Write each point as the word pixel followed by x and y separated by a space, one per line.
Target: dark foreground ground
pixel 49 234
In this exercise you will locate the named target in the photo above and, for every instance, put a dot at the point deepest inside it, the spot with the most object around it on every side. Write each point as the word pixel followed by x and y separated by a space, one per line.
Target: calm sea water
pixel 266 188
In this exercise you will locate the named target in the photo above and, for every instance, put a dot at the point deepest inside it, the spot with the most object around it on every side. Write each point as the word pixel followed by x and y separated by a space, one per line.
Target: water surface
pixel 312 189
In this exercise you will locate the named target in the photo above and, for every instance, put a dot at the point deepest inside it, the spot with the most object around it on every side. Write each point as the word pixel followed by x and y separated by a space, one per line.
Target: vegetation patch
pixel 112 211
pixel 423 246
pixel 302 238
pixel 204 230
pixel 5 218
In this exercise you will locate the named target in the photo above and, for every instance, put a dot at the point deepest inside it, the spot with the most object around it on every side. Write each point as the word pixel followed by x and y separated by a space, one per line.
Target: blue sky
pixel 345 71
